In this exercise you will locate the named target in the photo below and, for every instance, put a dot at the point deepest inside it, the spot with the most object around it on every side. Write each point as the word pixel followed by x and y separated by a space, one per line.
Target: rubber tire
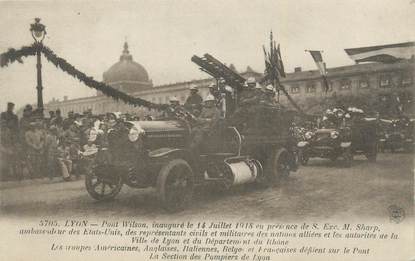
pixel 98 196
pixel 372 155
pixel 162 179
pixel 302 159
pixel 347 157
pixel 272 174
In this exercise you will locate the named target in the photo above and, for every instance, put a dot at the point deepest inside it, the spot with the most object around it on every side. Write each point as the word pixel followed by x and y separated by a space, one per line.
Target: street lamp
pixel 38 31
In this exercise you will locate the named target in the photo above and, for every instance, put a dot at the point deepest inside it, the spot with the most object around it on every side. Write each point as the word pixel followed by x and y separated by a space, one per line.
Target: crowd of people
pixel 55 146
pixel 36 146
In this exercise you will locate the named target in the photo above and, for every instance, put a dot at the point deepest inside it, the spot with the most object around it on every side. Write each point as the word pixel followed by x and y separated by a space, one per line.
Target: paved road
pixel 321 190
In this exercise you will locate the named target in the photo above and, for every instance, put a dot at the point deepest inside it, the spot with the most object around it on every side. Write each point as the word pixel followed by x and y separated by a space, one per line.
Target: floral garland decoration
pixel 13 55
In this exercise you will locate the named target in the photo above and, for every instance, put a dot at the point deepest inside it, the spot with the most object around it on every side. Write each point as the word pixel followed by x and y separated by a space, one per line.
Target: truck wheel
pixel 409 148
pixel 277 166
pixel 175 184
pixel 372 154
pixel 103 182
pixel 348 157
pixel 303 157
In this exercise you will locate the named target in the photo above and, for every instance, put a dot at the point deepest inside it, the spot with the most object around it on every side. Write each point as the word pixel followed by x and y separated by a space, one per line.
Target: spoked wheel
pixel 283 164
pixel 303 157
pixel 103 182
pixel 175 184
pixel 348 157
pixel 371 155
pixel 277 167
pixel 333 157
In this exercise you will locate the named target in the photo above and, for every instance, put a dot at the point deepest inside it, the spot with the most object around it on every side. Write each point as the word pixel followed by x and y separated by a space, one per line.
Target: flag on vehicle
pixel 321 65
pixel 274 67
pixel 382 53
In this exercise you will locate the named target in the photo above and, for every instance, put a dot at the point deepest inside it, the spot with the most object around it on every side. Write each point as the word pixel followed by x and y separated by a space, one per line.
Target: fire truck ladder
pixel 217 70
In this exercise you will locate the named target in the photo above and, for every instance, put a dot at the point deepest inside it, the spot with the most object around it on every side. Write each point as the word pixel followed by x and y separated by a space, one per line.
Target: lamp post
pixel 38 33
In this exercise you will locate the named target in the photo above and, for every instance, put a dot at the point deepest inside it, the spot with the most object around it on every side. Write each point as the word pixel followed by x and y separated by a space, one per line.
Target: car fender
pixel 345 144
pixel 302 144
pixel 168 153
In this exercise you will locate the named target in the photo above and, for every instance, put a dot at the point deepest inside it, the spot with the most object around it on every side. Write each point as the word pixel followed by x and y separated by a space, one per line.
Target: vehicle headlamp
pixel 334 134
pixel 308 135
pixel 134 134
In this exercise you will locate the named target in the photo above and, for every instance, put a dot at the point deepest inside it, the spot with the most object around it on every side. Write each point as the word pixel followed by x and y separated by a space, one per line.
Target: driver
pixel 174 108
pixel 207 119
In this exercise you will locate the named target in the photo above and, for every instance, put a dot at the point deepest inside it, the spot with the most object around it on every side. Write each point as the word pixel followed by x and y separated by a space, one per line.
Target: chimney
pixel 65 98
pixel 297 69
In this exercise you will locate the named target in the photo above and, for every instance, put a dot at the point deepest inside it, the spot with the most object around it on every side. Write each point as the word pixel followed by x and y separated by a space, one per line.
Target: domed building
pixel 127 75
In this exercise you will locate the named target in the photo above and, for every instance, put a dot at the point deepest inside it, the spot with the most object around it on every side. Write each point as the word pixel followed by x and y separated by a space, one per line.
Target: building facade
pixel 376 81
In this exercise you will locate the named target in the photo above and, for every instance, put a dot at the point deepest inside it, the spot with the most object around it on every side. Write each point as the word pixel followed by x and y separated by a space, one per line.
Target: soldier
pixel 251 94
pixel 35 147
pixel 68 121
pixel 207 119
pixel 9 128
pixel 268 97
pixel 194 101
pixel 51 151
pixel 173 110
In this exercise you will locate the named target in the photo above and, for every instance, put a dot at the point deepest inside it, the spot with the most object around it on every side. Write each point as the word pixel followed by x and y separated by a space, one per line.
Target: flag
pixel 318 59
pixel 274 67
pixel 321 65
pixel 382 53
pixel 278 62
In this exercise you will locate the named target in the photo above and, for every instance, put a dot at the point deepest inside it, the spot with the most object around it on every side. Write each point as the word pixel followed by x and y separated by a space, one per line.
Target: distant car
pixel 397 134
pixel 346 141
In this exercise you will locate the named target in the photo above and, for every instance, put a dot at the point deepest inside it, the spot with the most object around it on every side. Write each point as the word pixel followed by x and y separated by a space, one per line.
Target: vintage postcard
pixel 207 130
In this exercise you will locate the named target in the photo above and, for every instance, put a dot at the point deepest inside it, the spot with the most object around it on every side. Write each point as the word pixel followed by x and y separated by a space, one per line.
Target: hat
pixel 228 88
pixel 269 88
pixel 212 85
pixel 251 80
pixel 209 98
pixel 193 88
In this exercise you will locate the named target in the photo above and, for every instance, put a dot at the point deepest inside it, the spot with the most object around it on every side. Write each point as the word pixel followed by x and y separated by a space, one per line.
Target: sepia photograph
pixel 207 130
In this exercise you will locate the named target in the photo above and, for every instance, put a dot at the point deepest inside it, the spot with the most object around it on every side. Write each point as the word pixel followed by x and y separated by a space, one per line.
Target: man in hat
pixel 194 101
pixel 68 121
pixel 57 120
pixel 51 151
pixel 35 139
pixel 251 93
pixel 9 130
pixel 174 110
pixel 268 97
pixel 72 137
pixel 207 119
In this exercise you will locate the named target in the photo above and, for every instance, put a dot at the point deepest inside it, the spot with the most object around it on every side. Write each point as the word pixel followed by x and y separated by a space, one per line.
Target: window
pixel 345 84
pixel 406 79
pixel 385 81
pixel 311 88
pixel 295 88
pixel 363 83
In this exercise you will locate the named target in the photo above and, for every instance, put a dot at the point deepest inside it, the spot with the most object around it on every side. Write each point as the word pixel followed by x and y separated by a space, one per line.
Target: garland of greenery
pixel 13 55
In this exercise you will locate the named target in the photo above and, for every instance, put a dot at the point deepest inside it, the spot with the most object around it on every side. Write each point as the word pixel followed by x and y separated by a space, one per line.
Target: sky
pixel 164 35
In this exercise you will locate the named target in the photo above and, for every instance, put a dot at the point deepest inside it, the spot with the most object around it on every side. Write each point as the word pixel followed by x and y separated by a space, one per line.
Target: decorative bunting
pixel 13 55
